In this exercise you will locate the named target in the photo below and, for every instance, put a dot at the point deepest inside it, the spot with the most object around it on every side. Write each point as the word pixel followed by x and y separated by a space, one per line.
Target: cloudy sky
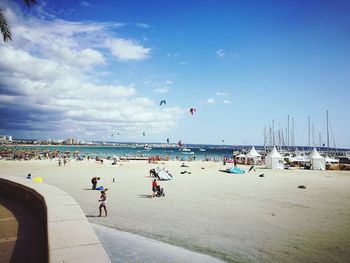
pixel 87 70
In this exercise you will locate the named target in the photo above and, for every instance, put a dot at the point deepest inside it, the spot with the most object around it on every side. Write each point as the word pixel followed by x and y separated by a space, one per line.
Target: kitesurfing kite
pixel 144 134
pixel 193 110
pixel 167 140
pixel 180 144
pixel 162 102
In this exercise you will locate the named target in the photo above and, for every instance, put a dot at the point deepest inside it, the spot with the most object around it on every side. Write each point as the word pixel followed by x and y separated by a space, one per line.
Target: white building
pixel 5 139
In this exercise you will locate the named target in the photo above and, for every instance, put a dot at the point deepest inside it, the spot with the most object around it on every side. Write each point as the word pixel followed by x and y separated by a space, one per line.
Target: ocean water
pixel 199 152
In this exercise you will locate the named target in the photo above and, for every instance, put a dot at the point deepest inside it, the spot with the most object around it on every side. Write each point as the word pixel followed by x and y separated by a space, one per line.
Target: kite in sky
pixel 193 110
pixel 167 140
pixel 144 134
pixel 162 102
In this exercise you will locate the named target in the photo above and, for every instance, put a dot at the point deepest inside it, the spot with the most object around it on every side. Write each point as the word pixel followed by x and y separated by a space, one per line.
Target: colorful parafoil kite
pixel 192 110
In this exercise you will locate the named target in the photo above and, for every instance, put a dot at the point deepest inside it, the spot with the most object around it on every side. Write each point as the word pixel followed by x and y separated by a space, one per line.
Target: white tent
pixel 331 160
pixel 300 159
pixel 274 160
pixel 317 161
pixel 253 155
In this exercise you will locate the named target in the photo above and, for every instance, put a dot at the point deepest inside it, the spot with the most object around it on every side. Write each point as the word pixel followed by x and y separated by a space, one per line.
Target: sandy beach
pixel 235 218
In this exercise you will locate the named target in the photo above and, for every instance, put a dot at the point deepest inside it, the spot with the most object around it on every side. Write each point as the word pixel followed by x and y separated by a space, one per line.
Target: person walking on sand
pixel 103 200
pixel 154 187
pixel 94 182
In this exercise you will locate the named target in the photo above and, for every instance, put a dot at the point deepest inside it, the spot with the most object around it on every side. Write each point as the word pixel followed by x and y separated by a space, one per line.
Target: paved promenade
pixel 22 237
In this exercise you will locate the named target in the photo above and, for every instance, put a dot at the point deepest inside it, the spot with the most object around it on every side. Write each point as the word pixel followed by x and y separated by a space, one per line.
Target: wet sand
pixel 236 218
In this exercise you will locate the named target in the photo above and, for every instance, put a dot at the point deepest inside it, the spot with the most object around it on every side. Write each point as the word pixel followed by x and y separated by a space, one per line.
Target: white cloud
pixel 226 102
pixel 220 53
pixel 183 63
pixel 48 85
pixel 211 101
pixel 164 89
pixel 169 82
pixel 142 25
pixel 221 93
pixel 85 4
pixel 126 49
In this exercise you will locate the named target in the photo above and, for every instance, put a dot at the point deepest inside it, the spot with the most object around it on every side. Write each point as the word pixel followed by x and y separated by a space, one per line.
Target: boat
pixel 202 150
pixel 190 153
pixel 147 148
pixel 184 150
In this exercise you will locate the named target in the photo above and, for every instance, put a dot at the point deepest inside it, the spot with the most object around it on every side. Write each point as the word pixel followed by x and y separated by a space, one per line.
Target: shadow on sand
pixel 91 215
pixel 145 196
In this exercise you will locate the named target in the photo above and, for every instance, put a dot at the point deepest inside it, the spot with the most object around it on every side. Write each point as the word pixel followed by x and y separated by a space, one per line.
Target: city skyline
pixel 99 71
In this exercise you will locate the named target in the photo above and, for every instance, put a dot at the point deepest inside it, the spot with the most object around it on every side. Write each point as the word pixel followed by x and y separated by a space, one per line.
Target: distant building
pixel 5 139
pixel 71 141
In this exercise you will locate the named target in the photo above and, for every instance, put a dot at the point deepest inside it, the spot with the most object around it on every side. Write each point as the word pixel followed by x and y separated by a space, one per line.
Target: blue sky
pixel 88 70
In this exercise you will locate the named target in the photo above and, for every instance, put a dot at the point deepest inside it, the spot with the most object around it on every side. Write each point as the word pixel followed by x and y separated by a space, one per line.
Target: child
pixel 103 200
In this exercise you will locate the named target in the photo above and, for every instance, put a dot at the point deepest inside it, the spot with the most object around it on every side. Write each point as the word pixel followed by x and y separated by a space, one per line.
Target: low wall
pixel 70 237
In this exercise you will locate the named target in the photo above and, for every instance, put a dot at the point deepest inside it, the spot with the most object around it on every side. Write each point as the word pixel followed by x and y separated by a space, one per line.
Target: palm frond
pixel 29 3
pixel 5 28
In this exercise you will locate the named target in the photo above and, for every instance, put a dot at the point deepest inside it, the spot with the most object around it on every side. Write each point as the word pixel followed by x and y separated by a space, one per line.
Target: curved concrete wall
pixel 70 237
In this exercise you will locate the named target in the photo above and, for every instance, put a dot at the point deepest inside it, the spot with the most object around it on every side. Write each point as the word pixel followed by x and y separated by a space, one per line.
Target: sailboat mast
pixel 288 133
pixel 327 129
pixel 273 132
pixel 308 118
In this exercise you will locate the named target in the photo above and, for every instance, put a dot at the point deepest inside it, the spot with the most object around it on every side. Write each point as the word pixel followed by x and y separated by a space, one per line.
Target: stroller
pixel 160 192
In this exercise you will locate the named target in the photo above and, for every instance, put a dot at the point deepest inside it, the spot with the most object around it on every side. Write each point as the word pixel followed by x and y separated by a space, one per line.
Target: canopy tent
pixel 300 159
pixel 274 160
pixel 241 155
pixel 331 160
pixel 317 161
pixel 252 155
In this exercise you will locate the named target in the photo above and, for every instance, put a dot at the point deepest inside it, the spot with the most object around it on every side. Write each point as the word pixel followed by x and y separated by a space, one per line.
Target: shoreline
pixel 232 217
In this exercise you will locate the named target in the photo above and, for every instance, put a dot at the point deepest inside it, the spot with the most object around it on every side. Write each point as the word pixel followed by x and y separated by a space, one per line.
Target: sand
pixel 236 218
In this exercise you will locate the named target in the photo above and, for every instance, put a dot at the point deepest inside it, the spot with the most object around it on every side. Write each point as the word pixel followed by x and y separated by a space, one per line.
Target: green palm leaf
pixel 5 28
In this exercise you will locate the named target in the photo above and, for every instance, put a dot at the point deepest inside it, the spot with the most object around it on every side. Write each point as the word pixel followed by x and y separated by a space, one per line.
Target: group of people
pixel 60 160
pixel 157 191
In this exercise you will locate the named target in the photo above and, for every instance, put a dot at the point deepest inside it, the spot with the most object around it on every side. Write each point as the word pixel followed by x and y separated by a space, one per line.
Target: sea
pixel 194 151
pixel 109 150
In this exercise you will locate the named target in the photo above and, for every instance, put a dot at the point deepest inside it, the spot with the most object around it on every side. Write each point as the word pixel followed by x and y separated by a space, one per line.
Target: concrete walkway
pixel 21 234
pixel 126 247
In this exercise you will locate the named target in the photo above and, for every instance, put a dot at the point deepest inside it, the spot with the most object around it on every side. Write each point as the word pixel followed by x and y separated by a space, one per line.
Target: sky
pixel 89 70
